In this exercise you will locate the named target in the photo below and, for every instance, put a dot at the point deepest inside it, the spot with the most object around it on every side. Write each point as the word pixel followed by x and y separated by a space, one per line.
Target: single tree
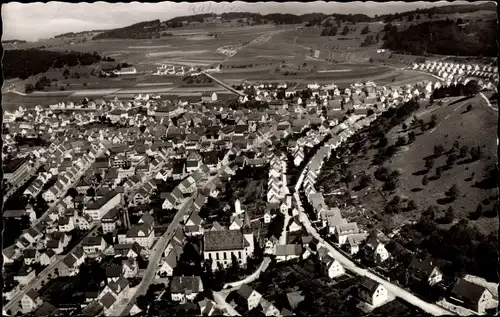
pixel 469 108
pixel 429 163
pixel 453 192
pixel 464 150
pixel 451 160
pixel 401 141
pixel 411 137
pixel 438 150
pixel 425 180
pixel 475 153
pixel 345 30
pixel 412 205
pixel 365 30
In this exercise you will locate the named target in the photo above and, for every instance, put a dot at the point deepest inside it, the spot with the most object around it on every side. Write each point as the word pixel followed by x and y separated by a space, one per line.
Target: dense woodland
pixel 25 63
pixel 445 37
pixel 430 12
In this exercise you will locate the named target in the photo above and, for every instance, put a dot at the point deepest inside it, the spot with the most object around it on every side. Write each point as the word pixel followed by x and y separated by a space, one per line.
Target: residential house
pixel 72 262
pixel 245 297
pixel 470 295
pixel 332 267
pixel 286 252
pixel 113 293
pixel 110 221
pixel 345 230
pixel 377 246
pixel 426 271
pixel 30 301
pixel 372 292
pixel 185 288
pixel 47 257
pixel 25 275
pixel 31 256
pixel 93 245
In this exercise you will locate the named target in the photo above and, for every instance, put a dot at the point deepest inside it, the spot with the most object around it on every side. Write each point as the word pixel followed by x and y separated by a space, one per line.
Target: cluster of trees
pixel 365 30
pixel 25 63
pixel 370 40
pixel 470 89
pixel 445 37
pixel 459 250
pixel 332 31
pixel 40 85
pixel 198 79
pixel 339 18
pixel 430 12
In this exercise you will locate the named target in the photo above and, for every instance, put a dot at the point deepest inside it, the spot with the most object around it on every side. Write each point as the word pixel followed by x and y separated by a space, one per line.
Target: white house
pixel 372 292
pixel 332 267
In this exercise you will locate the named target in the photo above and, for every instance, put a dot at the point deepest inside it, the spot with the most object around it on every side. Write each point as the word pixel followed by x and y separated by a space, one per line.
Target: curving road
pixel 351 266
pixel 249 279
pixel 221 302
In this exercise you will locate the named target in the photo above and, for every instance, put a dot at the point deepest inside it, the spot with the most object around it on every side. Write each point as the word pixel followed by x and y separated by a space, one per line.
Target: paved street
pixel 221 302
pixel 351 266
pixel 249 279
pixel 13 304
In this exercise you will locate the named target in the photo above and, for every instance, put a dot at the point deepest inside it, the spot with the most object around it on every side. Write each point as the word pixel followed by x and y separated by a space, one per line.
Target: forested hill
pixel 151 29
pixel 141 30
pixel 25 63
pixel 430 12
pixel 445 37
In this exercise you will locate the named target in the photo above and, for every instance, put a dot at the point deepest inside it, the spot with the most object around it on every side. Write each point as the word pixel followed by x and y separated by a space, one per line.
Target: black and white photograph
pixel 250 159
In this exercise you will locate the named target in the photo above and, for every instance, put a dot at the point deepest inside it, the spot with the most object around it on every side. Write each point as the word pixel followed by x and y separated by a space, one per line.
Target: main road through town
pixel 155 256
pixel 351 266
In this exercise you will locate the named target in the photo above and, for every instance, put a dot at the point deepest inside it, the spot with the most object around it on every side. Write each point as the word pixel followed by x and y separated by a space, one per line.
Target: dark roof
pixel 210 158
pixel 224 240
pixel 101 202
pixel 369 285
pixel 468 291
pixel 113 271
pixel 45 310
pixel 108 299
pixel 13 165
pixel 426 266
pixel 181 284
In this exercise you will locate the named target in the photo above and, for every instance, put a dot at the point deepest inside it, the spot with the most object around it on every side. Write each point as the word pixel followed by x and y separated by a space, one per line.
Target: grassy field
pixel 453 125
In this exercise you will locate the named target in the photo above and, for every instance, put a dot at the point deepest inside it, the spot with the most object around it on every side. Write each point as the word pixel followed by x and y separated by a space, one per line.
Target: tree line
pixel 25 63
pixel 444 37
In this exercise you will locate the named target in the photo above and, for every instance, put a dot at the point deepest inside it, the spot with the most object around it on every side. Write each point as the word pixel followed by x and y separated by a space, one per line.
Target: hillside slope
pixel 445 37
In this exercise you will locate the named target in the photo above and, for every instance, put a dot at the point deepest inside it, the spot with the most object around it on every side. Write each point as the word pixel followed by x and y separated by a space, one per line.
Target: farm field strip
pixel 150 47
pixel 140 91
pixel 157 54
pixel 153 84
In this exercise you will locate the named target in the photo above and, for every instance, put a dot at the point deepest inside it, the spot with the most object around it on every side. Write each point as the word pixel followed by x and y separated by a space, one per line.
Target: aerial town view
pixel 250 159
